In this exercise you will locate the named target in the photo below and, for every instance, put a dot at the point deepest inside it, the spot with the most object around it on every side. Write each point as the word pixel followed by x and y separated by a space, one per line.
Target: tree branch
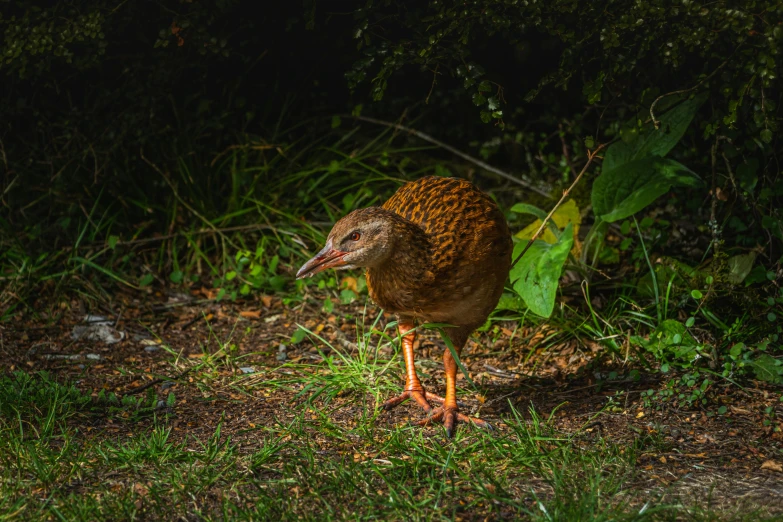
pixel 475 161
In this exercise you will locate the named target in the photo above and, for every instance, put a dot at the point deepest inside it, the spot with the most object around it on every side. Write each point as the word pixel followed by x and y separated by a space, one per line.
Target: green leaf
pixel 176 276
pixel 347 296
pixel 511 302
pixel 298 336
pixel 621 192
pixel 536 275
pixel 146 280
pixel 277 282
pixel 672 342
pixel 767 369
pixel 113 241
pixel 740 266
pixel 524 208
pixel 652 141
pixel 696 294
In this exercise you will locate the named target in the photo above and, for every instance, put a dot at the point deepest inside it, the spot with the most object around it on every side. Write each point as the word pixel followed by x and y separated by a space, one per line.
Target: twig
pixel 657 123
pixel 566 192
pixel 434 81
pixel 714 203
pixel 456 152
pixel 2 154
pixel 566 155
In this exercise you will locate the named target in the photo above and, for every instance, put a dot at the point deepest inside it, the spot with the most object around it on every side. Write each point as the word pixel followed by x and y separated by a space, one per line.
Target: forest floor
pixel 207 410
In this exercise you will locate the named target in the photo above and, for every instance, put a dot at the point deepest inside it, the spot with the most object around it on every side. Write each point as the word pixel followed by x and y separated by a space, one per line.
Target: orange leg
pixel 413 388
pixel 449 413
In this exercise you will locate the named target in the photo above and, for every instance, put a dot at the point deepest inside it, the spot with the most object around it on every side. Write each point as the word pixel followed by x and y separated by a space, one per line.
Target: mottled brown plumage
pixel 439 250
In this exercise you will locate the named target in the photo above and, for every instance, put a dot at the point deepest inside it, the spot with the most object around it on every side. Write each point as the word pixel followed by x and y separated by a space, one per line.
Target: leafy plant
pixel 535 277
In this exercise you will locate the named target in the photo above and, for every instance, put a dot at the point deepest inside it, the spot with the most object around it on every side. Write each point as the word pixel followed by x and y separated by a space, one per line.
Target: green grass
pixel 237 223
pixel 310 464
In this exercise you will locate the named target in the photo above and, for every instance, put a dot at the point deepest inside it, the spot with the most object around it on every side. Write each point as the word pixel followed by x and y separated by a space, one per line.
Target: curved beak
pixel 328 257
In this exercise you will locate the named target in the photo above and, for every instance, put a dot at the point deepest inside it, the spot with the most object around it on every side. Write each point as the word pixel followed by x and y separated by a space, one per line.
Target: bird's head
pixel 363 238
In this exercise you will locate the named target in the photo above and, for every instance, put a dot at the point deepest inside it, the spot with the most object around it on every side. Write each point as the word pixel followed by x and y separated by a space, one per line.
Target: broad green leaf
pixel 536 275
pixel 740 266
pixel 627 189
pixel 768 369
pixel 652 141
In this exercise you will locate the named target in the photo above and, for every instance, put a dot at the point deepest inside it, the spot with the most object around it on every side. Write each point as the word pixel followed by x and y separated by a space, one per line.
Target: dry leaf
pixel 349 283
pixel 772 466
pixel 250 314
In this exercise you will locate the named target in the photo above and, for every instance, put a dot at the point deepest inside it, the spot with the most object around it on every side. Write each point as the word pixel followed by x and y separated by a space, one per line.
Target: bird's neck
pixel 410 260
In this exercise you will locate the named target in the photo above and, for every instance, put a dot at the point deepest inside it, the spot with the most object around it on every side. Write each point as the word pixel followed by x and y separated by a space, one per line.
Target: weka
pixel 438 251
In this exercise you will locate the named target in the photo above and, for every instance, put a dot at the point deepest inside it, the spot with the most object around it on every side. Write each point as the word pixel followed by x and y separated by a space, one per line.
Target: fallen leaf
pixel 250 314
pixel 772 466
pixel 267 300
pixel 350 284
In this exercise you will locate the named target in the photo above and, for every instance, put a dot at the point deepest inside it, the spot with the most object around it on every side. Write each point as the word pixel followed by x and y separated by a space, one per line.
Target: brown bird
pixel 438 251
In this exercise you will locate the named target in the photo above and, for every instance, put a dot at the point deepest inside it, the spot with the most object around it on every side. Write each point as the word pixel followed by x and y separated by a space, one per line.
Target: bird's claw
pixel 449 416
pixel 420 396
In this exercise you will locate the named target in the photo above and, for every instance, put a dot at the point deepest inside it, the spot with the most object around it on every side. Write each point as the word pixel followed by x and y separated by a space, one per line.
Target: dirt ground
pixel 720 459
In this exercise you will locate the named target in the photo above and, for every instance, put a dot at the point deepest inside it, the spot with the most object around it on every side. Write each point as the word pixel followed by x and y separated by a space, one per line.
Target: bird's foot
pixel 449 416
pixel 420 396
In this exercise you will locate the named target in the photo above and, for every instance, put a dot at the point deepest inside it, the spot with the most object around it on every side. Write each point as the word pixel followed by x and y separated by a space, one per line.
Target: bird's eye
pixel 354 236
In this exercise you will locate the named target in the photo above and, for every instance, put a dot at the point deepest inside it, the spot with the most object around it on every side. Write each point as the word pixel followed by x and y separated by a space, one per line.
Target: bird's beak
pixel 328 257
